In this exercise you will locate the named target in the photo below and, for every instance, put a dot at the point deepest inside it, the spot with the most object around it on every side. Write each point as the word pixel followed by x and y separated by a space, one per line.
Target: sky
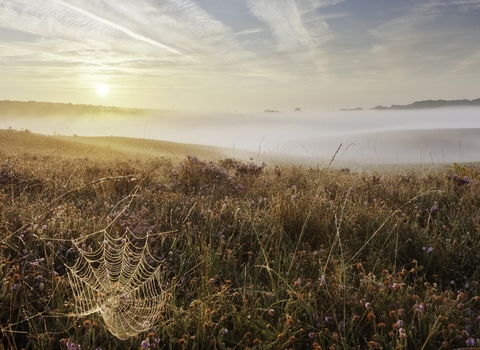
pixel 239 55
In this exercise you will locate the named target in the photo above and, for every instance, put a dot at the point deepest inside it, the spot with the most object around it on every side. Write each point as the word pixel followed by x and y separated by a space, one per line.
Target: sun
pixel 102 89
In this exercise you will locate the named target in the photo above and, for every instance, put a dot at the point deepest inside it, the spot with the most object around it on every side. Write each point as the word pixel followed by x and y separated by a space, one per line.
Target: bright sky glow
pixel 240 55
pixel 102 89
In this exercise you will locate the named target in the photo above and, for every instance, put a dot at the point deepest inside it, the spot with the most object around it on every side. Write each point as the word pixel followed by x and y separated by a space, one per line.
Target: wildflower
pixel 368 305
pixel 224 331
pixel 271 312
pixel 145 344
pixel 402 333
pixel 429 250
pixel 470 342
pixel 37 261
pixel 419 307
pixel 311 335
pixel 322 280
pixel 72 346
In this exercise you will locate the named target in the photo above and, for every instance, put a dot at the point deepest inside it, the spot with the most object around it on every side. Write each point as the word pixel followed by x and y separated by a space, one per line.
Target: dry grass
pixel 258 257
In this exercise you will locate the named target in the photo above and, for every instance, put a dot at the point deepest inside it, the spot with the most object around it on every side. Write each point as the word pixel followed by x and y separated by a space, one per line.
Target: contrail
pixel 125 30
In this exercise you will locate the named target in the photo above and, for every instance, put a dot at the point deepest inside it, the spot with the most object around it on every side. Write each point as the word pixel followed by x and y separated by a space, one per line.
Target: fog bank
pixel 391 136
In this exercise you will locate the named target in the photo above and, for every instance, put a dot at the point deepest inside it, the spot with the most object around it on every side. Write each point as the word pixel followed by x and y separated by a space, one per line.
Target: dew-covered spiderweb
pixel 118 276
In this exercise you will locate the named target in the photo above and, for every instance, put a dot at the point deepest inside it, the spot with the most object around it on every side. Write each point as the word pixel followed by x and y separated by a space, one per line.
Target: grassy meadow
pixel 249 255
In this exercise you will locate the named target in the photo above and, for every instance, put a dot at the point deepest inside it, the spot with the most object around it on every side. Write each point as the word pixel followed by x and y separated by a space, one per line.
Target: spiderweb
pixel 118 277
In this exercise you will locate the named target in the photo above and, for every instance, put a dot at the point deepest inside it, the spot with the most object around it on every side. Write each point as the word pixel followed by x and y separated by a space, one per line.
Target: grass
pixel 254 256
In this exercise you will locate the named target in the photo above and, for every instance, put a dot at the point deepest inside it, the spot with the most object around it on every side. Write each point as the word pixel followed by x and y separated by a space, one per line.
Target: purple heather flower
pixel 322 280
pixel 400 323
pixel 311 335
pixel 72 346
pixel 145 344
pixel 419 307
pixel 37 261
pixel 470 342
pixel 429 250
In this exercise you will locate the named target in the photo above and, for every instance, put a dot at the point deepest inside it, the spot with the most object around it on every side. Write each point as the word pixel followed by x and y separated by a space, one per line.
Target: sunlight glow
pixel 102 89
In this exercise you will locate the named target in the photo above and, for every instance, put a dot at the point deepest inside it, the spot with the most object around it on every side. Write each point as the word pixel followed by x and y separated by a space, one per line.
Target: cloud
pixel 467 5
pixel 121 28
pixel 299 31
pixel 469 63
pixel 284 20
pixel 411 44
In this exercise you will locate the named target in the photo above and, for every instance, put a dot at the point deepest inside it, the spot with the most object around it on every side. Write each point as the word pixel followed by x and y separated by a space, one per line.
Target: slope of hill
pixel 21 108
pixel 19 142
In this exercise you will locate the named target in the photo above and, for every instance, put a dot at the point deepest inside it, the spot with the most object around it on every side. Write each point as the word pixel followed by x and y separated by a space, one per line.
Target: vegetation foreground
pixel 246 256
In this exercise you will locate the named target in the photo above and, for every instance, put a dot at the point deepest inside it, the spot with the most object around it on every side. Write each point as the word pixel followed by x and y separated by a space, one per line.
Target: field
pixel 101 248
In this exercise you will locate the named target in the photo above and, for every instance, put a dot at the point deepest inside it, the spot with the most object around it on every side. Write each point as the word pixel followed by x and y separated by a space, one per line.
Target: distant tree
pixel 298 109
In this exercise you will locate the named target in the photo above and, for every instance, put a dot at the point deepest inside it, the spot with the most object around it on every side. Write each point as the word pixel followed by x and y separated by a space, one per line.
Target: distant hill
pixel 21 108
pixel 434 104
pixel 426 104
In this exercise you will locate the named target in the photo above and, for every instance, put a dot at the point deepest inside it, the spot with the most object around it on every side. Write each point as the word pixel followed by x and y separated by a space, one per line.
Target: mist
pixel 367 136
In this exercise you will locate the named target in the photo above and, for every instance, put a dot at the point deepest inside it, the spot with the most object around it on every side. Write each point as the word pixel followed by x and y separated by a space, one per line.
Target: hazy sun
pixel 102 89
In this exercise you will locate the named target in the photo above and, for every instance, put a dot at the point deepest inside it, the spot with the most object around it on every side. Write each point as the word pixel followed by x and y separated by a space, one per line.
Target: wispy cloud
pixel 468 63
pixel 412 44
pixel 299 30
pixel 285 22
pixel 121 28
pixel 467 5
pixel 292 21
